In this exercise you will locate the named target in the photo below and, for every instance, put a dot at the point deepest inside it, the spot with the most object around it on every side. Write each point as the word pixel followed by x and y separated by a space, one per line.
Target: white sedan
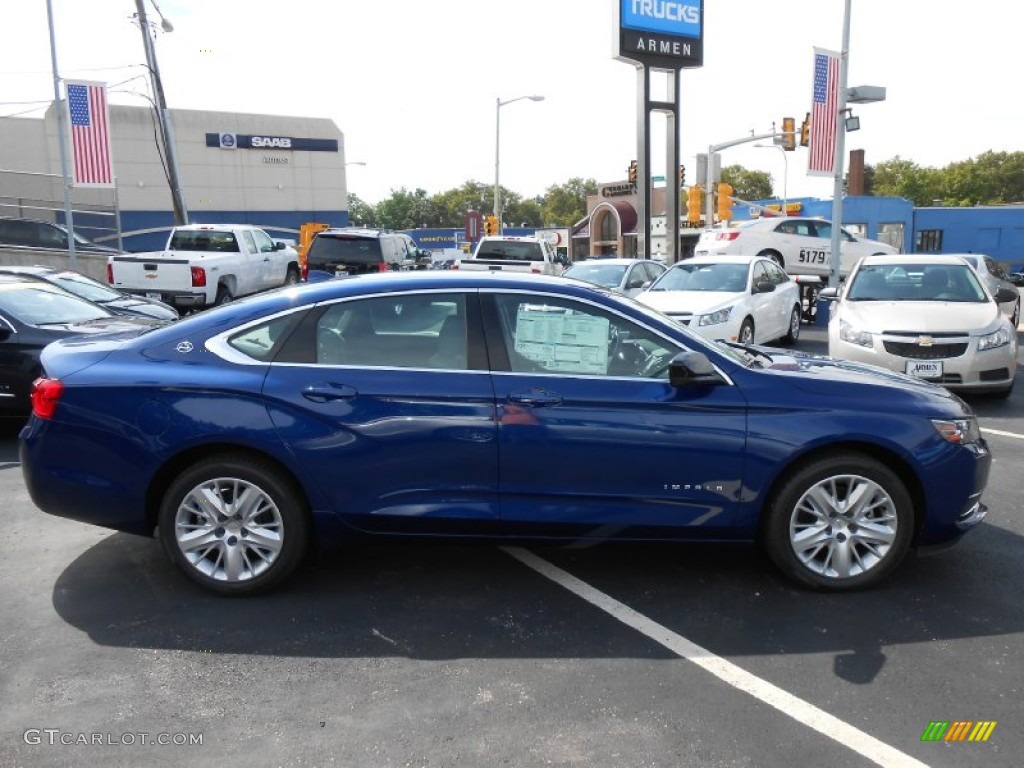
pixel 625 276
pixel 928 316
pixel 801 246
pixel 745 299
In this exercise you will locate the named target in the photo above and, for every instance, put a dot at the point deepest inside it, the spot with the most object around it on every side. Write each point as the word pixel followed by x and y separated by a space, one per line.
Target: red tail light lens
pixel 727 235
pixel 382 267
pixel 305 271
pixel 110 274
pixel 45 395
pixel 198 277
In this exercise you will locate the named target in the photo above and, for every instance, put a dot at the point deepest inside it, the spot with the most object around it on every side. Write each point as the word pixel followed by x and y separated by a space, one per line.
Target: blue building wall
pixel 444 237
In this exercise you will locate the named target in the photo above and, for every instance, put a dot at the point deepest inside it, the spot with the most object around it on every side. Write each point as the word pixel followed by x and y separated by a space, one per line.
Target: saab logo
pixel 271 142
pixel 228 141
pixel 958 730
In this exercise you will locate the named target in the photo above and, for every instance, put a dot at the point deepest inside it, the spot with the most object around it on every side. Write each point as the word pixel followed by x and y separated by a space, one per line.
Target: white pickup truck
pixel 205 265
pixel 514 254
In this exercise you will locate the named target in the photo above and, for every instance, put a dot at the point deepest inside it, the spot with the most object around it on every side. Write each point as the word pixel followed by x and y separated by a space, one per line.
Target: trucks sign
pixel 667 34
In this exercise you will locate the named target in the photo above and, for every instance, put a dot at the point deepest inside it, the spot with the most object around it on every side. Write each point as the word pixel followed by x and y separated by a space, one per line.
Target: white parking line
pixel 1003 434
pixel 798 709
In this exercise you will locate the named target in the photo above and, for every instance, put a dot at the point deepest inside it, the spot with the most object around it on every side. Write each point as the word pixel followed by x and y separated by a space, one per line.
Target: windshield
pixel 40 305
pixel 513 251
pixel 688 276
pixel 916 282
pixel 608 275
pixel 204 240
pixel 86 287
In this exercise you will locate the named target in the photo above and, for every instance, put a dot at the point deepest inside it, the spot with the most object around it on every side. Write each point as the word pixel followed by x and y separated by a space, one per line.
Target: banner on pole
pixel 89 122
pixel 824 114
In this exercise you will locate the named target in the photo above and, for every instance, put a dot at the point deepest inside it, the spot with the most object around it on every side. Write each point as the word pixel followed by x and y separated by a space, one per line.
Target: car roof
pixel 359 231
pixel 724 259
pixel 613 262
pixel 930 259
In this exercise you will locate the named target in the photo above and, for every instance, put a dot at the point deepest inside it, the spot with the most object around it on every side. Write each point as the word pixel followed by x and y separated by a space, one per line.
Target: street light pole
pixel 177 198
pixel 837 186
pixel 497 153
pixel 785 173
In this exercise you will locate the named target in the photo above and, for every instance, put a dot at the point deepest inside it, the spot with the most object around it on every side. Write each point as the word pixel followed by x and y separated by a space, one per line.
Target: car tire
pixel 224 295
pixel 793 334
pixel 1015 317
pixel 774 256
pixel 234 525
pixel 838 523
pixel 292 276
pixel 746 334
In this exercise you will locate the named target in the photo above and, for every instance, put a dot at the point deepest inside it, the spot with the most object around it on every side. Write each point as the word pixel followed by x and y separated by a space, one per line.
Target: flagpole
pixel 837 188
pixel 62 140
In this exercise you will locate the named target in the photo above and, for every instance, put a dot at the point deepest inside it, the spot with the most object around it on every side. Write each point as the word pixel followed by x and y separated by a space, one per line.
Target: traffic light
pixel 788 134
pixel 805 131
pixel 490 224
pixel 724 202
pixel 632 172
pixel 693 204
pixel 682 176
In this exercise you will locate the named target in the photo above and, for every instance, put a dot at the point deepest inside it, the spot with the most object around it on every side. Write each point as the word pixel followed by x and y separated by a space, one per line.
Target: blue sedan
pixel 493 406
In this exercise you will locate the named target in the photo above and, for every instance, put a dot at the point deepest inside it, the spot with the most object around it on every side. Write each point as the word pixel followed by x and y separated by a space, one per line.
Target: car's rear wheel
pixel 746 334
pixel 774 256
pixel 793 335
pixel 235 525
pixel 224 295
pixel 293 276
pixel 841 522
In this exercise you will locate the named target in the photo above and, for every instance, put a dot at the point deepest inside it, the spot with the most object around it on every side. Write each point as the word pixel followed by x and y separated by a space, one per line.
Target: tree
pixel 748 185
pixel 565 204
pixel 360 213
pixel 407 210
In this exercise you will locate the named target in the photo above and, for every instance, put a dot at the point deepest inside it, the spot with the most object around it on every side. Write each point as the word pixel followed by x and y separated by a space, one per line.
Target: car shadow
pixel 441 601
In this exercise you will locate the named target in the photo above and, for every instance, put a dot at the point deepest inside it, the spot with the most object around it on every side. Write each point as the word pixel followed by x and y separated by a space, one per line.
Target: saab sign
pixel 665 34
pixel 243 141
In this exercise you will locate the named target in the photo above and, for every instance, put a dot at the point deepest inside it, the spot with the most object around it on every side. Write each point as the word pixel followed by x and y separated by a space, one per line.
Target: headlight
pixel 854 335
pixel 959 431
pixel 998 339
pixel 721 316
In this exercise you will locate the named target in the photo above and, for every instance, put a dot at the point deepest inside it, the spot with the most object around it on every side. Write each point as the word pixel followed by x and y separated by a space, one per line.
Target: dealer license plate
pixel 339 272
pixel 152 295
pixel 925 369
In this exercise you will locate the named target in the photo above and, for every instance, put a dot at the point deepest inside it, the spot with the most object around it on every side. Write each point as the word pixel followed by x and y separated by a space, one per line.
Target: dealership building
pixel 270 171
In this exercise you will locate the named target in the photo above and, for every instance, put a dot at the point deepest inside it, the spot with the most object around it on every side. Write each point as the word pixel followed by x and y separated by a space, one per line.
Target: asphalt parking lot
pixel 447 655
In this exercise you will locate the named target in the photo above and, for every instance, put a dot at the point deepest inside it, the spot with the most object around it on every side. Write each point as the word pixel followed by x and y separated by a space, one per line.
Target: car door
pixel 634 279
pixel 387 403
pixel 784 298
pixel 802 251
pixel 591 441
pixel 764 305
pixel 274 266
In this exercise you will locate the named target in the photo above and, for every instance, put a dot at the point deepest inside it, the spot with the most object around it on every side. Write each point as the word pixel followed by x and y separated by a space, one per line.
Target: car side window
pixel 776 274
pixel 250 244
pixel 561 336
pixel 405 331
pixel 823 229
pixel 263 242
pixel 760 274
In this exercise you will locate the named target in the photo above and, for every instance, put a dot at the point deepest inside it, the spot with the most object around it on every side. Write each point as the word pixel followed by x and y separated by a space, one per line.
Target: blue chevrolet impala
pixel 493 406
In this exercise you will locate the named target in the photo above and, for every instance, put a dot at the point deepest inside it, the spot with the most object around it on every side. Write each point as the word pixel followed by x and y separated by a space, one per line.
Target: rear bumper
pixel 177 300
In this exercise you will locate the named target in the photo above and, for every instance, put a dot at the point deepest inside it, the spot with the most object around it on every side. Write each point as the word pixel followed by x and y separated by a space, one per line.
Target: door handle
pixel 535 398
pixel 322 393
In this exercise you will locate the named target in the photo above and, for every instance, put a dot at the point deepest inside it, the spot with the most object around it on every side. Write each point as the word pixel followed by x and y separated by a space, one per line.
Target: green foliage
pixel 565 204
pixel 993 178
pixel 748 185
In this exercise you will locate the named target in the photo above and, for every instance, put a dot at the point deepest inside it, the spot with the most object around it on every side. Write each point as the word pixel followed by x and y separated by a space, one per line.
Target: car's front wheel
pixel 793 334
pixel 233 524
pixel 746 334
pixel 838 523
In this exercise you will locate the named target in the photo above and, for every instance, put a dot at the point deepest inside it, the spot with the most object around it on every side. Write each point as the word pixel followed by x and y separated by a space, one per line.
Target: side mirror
pixel 636 283
pixel 688 368
pixel 278 245
pixel 764 286
pixel 829 293
pixel 1004 295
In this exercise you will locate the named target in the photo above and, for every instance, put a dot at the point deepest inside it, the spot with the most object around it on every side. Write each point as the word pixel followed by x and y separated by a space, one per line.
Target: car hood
pixel 818 374
pixel 138 306
pixel 921 316
pixel 697 302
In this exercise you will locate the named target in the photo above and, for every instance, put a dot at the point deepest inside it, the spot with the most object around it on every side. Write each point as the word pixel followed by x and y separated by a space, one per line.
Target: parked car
pixel 246 433
pixel 801 246
pixel 84 286
pixel 625 276
pixel 735 298
pixel 926 316
pixel 37 233
pixel 33 314
pixel 354 251
pixel 995 277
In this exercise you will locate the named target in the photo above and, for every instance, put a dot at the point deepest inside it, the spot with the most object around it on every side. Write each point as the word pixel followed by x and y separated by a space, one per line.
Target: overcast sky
pixel 413 84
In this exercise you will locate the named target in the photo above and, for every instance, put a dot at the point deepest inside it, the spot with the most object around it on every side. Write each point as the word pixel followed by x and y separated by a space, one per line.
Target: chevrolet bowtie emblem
pixel 925 341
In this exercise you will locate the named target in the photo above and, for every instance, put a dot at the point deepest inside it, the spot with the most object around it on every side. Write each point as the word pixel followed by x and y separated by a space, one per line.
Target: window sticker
pixel 561 341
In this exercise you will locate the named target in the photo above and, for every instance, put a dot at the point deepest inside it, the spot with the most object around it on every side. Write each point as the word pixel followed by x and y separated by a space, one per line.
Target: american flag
pixel 824 114
pixel 90 134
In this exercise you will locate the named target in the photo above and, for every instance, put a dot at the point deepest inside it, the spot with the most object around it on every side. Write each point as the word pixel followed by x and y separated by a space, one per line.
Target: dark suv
pixel 36 233
pixel 354 251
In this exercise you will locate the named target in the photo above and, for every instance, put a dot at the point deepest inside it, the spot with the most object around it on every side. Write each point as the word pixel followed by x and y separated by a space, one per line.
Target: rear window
pixel 511 251
pixel 204 240
pixel 347 249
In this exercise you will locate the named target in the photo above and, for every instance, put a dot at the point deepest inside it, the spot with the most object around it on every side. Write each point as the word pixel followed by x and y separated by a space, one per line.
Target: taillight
pixel 383 266
pixel 110 274
pixel 198 277
pixel 535 271
pixel 305 271
pixel 454 266
pixel 727 235
pixel 45 394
